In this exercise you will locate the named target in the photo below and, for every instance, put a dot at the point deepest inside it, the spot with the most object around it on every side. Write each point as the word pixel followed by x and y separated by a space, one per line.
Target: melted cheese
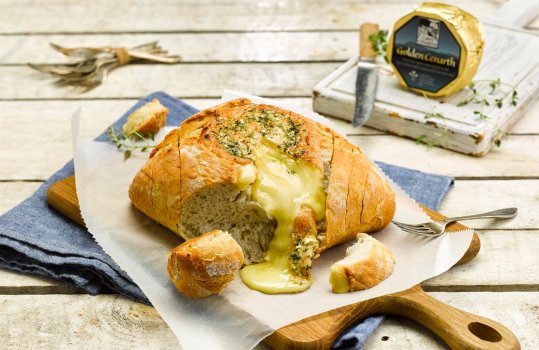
pixel 246 176
pixel 338 280
pixel 281 187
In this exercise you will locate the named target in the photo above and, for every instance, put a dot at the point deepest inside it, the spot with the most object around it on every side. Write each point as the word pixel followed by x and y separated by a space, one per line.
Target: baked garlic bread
pixel 285 187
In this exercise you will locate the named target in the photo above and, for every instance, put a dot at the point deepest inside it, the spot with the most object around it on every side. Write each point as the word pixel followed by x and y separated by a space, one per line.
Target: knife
pixel 367 75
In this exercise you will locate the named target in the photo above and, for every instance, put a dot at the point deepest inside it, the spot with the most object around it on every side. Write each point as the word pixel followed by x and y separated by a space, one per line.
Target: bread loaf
pixel 367 263
pixel 205 265
pixel 285 187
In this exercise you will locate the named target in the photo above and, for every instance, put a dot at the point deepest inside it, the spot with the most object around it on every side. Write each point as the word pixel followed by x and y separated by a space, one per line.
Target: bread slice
pixel 354 199
pixel 367 263
pixel 200 179
pixel 147 120
pixel 205 265
pixel 341 166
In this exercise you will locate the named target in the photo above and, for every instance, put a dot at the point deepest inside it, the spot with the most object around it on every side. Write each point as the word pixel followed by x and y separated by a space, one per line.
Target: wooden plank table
pixel 272 48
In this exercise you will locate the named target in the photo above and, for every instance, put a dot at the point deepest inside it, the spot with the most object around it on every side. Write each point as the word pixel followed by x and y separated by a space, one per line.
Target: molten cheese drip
pixel 338 280
pixel 281 187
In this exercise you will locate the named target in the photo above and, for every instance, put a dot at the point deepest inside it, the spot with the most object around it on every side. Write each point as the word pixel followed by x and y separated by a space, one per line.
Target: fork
pixel 437 228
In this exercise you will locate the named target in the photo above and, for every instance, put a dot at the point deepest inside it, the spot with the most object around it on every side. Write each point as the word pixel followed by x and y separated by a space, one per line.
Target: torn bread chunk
pixel 367 263
pixel 147 120
pixel 205 265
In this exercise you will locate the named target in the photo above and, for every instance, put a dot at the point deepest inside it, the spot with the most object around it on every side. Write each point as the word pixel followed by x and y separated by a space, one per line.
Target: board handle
pixel 458 329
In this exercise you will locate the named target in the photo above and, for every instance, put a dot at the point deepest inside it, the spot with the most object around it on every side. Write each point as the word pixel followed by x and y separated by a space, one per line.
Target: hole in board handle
pixel 484 332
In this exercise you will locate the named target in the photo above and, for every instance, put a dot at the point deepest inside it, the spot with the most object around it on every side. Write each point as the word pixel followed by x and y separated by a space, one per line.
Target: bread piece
pixel 195 180
pixel 147 120
pixel 367 263
pixel 205 265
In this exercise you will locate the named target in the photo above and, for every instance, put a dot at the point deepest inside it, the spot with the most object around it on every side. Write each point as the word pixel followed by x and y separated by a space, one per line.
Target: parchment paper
pixel 240 317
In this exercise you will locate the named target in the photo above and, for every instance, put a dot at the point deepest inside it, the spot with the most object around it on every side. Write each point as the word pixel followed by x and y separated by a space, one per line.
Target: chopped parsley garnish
pixel 241 136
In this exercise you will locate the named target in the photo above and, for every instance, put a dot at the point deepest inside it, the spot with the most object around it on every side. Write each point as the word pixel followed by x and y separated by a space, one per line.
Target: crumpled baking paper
pixel 239 318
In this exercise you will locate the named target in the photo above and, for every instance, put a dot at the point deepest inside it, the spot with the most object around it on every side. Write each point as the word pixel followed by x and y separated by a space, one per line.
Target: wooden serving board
pixel 459 329
pixel 510 54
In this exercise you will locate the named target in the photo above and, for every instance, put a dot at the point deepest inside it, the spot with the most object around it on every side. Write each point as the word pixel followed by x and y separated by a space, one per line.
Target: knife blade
pixel 367 75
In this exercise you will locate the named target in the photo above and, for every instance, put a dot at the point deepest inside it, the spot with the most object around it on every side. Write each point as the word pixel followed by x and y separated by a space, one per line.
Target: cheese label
pixel 436 49
pixel 426 54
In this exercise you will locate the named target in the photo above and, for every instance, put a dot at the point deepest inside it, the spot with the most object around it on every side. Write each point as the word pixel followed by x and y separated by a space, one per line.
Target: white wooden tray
pixel 510 54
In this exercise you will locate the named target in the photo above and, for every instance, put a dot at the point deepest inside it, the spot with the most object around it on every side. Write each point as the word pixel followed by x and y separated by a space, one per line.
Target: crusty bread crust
pixel 339 183
pixel 155 190
pixel 378 202
pixel 359 199
pixel 192 159
pixel 367 271
pixel 356 191
pixel 205 265
pixel 146 120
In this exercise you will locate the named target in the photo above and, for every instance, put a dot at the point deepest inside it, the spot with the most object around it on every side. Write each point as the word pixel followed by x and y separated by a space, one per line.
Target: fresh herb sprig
pixel 131 142
pixel 433 115
pixel 498 136
pixel 378 41
pixel 499 93
pixel 427 141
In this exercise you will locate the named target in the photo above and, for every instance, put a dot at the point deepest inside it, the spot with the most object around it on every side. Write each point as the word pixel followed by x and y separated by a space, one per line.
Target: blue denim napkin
pixel 36 239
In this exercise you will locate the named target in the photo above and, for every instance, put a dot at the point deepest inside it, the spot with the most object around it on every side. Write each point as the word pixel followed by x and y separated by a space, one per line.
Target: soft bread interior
pixel 227 208
pixel 359 251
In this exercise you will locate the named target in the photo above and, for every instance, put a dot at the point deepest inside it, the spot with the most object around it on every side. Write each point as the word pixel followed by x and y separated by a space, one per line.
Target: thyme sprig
pixel 432 115
pixel 498 94
pixel 131 142
pixel 378 41
pixel 427 141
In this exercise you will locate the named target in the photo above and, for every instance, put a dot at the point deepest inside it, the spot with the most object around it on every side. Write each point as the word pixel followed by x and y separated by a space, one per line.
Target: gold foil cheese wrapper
pixel 436 49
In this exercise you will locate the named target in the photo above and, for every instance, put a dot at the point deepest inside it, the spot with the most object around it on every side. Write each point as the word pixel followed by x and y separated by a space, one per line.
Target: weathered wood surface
pixel 476 196
pixel 111 322
pixel 248 47
pixel 514 271
pixel 184 80
pixel 486 195
pixel 158 17
pixel 14 283
pixel 57 113
pixel 518 311
pixel 517 158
